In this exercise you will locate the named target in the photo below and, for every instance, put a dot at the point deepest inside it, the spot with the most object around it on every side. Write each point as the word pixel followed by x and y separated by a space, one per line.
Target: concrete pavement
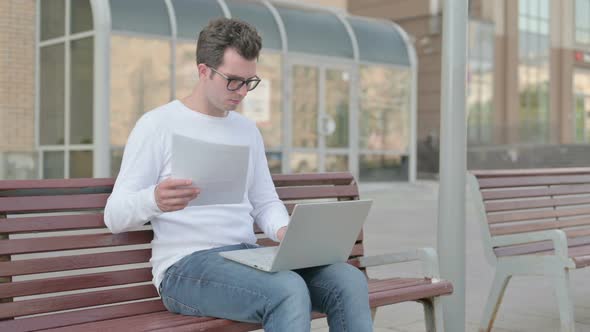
pixel 404 217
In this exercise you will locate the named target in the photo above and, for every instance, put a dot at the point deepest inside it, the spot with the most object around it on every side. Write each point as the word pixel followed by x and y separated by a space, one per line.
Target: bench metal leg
pixel 373 314
pixel 501 280
pixel 433 314
pixel 563 292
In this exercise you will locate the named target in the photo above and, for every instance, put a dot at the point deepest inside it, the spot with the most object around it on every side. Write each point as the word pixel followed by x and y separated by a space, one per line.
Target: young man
pixel 190 275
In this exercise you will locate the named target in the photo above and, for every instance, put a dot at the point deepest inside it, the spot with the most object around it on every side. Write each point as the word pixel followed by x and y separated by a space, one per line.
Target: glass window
pixel 187 74
pixel 304 106
pixel 381 167
pixel 582 21
pixel 258 15
pixel 304 162
pixel 140 81
pixel 581 106
pixel 141 16
pixel 533 72
pixel 480 83
pixel 51 89
pixel 81 164
pixel 264 104
pixel 193 15
pixel 81 96
pixel 275 161
pixel 384 108
pixel 337 97
pixel 53 165
pixel 81 16
pixel 53 13
pixel 329 34
pixel 379 42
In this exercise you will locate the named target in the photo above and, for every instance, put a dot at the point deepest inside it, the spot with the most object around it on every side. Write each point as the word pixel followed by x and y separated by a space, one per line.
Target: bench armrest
pixel 557 236
pixel 427 256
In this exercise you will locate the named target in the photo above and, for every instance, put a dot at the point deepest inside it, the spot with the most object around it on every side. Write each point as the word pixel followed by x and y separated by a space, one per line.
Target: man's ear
pixel 203 71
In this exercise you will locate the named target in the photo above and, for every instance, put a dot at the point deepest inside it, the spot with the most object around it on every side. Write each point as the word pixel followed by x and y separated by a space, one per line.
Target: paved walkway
pixel 404 216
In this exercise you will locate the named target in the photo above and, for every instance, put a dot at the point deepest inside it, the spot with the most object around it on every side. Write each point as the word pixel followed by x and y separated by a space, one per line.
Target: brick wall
pixel 17 75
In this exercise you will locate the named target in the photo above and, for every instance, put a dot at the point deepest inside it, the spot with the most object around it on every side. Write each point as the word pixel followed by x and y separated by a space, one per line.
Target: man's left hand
pixel 281 233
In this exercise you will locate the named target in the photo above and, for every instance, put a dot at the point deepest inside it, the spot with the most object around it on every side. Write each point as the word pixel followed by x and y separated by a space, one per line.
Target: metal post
pixel 451 201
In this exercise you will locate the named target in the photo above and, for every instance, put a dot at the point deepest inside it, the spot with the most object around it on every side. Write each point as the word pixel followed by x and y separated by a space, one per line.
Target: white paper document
pixel 218 170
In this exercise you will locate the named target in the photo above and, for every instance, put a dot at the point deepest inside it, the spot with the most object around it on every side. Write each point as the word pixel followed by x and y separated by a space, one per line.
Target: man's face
pixel 232 66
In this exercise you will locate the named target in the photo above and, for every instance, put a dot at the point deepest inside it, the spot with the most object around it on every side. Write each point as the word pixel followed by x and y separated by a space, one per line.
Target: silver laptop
pixel 318 234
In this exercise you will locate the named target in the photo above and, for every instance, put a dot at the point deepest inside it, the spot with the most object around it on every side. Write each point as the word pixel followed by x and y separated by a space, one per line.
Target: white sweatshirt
pixel 146 162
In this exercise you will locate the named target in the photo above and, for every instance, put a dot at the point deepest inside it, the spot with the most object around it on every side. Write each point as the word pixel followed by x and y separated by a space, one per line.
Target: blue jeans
pixel 206 284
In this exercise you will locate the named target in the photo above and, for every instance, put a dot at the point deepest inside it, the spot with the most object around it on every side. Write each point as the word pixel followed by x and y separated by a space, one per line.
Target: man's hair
pixel 223 33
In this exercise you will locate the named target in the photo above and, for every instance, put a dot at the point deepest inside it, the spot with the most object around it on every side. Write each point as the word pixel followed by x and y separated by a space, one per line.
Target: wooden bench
pixel 68 273
pixel 533 222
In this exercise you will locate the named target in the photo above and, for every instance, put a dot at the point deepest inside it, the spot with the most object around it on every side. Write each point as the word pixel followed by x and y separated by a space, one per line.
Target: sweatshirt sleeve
pixel 269 212
pixel 132 202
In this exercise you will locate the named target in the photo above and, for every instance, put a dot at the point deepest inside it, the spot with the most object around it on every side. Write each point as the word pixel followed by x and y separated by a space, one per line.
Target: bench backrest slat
pixel 520 201
pixel 52 223
pixel 61 259
pixel 73 262
pixel 33 204
pixel 35 245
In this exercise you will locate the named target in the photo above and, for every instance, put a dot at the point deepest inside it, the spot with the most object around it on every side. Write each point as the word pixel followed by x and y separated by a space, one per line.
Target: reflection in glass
pixel 51 104
pixel 336 163
pixel 303 162
pixel 384 108
pixel 379 167
pixel 480 84
pixel 81 164
pixel 533 71
pixel 80 16
pixel 337 106
pixel 264 104
pixel 53 165
pixel 81 97
pixel 116 159
pixel 53 13
pixel 140 81
pixel 582 21
pixel 582 105
pixel 305 106
pixel 274 159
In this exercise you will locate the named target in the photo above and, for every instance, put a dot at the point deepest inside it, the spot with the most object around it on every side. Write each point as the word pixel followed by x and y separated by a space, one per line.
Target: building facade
pixel 528 79
pixel 78 73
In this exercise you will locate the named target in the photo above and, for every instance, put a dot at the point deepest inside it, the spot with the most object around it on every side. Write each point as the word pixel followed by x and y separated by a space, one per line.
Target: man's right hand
pixel 173 194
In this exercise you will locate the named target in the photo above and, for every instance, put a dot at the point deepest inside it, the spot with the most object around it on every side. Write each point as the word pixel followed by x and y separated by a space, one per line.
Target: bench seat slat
pixel 73 262
pixel 51 223
pixel 30 204
pixel 82 316
pixel 65 302
pixel 415 289
pixel 47 244
pixel 296 193
pixel 68 283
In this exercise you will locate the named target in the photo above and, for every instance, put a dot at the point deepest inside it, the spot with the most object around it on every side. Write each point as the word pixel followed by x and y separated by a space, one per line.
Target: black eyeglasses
pixel 234 84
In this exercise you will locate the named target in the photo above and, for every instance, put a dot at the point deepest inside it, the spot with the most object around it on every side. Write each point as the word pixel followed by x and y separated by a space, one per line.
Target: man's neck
pixel 197 102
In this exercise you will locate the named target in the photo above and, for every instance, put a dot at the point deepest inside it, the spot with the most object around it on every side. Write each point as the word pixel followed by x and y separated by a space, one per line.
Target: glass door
pixel 320 118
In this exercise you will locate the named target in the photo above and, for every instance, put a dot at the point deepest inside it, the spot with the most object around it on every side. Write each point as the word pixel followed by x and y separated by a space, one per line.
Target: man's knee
pixel 290 289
